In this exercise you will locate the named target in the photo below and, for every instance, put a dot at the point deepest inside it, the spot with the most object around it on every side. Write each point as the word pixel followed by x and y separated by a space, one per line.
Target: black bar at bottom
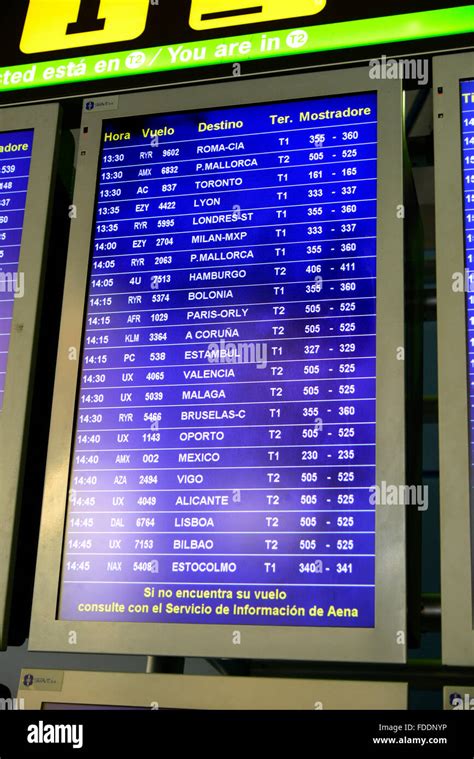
pixel 328 733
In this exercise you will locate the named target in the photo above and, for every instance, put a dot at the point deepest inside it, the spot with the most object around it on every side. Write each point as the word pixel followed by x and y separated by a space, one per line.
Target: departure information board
pixel 467 132
pixel 15 158
pixel 224 451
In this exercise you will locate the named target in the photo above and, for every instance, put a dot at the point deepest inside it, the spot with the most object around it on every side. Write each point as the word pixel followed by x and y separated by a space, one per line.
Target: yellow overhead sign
pixel 214 14
pixel 64 24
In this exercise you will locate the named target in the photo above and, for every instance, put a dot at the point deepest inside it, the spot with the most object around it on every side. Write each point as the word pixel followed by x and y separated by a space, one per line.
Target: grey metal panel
pixel 456 578
pixel 24 329
pixel 202 692
pixel 385 642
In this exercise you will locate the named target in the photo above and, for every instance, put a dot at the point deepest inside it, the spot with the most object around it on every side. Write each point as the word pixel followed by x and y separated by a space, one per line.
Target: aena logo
pixel 64 24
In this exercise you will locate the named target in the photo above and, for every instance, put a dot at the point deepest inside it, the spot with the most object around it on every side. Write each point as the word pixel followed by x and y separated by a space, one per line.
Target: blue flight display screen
pixel 15 158
pixel 467 135
pixel 224 445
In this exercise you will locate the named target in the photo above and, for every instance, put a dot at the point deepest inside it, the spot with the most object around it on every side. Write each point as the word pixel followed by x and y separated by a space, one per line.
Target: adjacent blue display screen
pixel 467 136
pixel 225 433
pixel 15 158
